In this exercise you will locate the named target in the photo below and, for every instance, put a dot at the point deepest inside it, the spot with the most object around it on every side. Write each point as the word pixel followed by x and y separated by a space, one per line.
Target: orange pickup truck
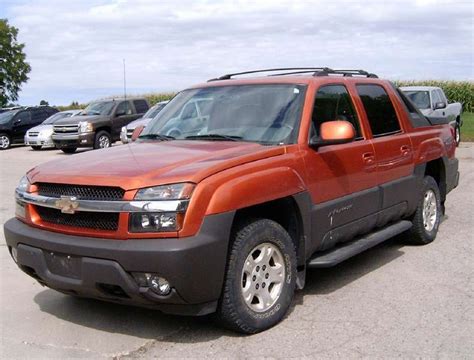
pixel 223 210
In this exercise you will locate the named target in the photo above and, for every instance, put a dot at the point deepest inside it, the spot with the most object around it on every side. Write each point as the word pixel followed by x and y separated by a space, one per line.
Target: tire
pixel 457 134
pixel 36 147
pixel 5 141
pixel 102 140
pixel 422 232
pixel 249 272
pixel 69 150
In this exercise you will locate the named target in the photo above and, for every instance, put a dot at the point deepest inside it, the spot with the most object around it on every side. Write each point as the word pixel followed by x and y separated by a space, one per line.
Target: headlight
pixel 160 221
pixel 166 192
pixel 23 184
pixel 85 126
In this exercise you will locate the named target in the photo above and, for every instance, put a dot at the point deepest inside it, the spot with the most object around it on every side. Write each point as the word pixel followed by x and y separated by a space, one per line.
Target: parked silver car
pixel 127 131
pixel 41 136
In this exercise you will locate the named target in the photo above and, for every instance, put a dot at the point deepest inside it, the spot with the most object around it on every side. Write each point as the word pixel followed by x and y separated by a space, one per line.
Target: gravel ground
pixel 391 301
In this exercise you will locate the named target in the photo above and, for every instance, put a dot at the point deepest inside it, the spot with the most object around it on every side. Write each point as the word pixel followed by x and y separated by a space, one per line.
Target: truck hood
pixel 74 120
pixel 142 121
pixel 151 163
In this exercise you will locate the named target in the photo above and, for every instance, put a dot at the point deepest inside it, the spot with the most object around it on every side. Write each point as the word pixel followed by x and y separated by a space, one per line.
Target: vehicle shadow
pixel 152 324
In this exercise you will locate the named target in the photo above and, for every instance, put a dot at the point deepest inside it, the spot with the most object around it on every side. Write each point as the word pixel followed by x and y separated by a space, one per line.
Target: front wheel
pixel 69 150
pixel 457 134
pixel 102 140
pixel 427 216
pixel 260 278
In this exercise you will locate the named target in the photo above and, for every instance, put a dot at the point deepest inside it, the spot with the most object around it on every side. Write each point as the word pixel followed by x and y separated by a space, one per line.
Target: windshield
pixel 420 98
pixel 153 111
pixel 52 119
pixel 99 108
pixel 267 113
pixel 6 116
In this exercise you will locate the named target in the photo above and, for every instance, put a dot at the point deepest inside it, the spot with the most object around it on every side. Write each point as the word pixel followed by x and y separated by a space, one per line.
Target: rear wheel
pixel 102 140
pixel 427 216
pixel 36 147
pixel 69 150
pixel 5 141
pixel 260 278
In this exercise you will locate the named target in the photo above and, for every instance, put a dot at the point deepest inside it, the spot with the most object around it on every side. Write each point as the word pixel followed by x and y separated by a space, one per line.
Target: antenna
pixel 124 81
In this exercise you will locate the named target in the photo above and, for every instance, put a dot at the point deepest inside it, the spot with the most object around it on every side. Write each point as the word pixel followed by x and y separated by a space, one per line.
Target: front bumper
pixel 46 141
pixel 101 268
pixel 74 140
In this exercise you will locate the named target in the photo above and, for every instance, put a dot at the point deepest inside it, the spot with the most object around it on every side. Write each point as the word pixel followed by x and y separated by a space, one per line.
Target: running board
pixel 335 256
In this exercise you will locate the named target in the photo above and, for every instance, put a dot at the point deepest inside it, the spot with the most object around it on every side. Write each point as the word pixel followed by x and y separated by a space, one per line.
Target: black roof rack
pixel 317 71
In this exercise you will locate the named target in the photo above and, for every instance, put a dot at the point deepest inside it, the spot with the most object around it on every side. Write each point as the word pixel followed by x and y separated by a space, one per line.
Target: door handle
pixel 368 158
pixel 405 150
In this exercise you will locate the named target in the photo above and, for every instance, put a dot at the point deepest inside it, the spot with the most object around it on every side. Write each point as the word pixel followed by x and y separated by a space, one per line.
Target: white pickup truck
pixel 433 103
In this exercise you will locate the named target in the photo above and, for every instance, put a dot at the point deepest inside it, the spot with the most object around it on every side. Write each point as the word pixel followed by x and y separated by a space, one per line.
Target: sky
pixel 76 48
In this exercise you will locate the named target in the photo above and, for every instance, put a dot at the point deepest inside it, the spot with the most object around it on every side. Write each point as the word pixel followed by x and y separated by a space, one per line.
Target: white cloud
pixel 76 47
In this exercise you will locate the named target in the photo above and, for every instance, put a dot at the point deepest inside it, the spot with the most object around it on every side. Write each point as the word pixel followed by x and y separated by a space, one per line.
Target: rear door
pixel 341 178
pixel 21 123
pixel 393 150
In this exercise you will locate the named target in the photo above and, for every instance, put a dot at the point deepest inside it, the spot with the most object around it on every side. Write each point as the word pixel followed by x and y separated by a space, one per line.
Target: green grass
pixel 467 129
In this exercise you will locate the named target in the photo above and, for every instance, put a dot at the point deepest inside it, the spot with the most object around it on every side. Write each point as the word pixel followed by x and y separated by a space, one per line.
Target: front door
pixel 341 178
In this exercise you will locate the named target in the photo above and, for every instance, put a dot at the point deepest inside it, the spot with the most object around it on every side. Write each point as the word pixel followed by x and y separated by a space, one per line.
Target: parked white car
pixel 127 131
pixel 40 136
pixel 433 103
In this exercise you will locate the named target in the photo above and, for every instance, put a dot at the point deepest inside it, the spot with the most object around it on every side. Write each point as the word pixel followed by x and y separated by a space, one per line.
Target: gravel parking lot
pixel 391 301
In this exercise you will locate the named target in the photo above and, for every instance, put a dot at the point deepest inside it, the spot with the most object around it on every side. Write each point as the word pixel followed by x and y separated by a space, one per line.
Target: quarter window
pixel 333 102
pixel 380 112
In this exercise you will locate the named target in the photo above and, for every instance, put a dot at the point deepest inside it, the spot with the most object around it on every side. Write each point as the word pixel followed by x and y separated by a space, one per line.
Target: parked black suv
pixel 98 125
pixel 15 123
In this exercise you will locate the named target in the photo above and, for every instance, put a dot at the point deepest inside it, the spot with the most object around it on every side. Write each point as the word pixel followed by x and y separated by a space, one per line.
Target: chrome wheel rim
pixel 263 277
pixel 430 210
pixel 4 142
pixel 104 142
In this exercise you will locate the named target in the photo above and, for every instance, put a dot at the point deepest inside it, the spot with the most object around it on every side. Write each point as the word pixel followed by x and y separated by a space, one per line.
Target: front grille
pixel 66 129
pixel 33 134
pixel 83 192
pixel 129 133
pixel 82 219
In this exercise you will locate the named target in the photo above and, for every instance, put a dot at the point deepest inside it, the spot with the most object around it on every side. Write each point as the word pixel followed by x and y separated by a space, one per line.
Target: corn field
pixel 456 91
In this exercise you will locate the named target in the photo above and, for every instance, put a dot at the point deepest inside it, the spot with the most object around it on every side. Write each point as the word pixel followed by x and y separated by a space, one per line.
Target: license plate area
pixel 63 264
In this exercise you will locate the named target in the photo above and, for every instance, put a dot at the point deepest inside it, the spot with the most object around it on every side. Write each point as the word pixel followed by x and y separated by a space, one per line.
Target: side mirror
pixel 333 132
pixel 440 105
pixel 136 133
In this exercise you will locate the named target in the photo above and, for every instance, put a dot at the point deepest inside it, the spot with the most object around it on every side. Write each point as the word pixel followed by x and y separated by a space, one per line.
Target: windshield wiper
pixel 214 137
pixel 156 136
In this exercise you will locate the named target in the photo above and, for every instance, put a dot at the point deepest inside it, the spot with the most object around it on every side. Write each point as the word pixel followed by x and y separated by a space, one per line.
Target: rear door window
pixel 380 112
pixel 333 102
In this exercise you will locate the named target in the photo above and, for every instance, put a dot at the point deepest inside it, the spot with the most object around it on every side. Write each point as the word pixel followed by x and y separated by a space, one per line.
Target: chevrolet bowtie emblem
pixel 67 204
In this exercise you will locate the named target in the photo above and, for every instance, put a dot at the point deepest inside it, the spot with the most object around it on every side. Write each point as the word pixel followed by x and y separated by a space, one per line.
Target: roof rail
pixel 317 71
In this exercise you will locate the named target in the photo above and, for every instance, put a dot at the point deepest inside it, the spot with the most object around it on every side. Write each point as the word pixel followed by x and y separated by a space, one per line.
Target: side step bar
pixel 335 256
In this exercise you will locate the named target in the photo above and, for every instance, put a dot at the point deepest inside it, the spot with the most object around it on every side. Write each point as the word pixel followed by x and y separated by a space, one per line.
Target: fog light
pixel 157 284
pixel 14 254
